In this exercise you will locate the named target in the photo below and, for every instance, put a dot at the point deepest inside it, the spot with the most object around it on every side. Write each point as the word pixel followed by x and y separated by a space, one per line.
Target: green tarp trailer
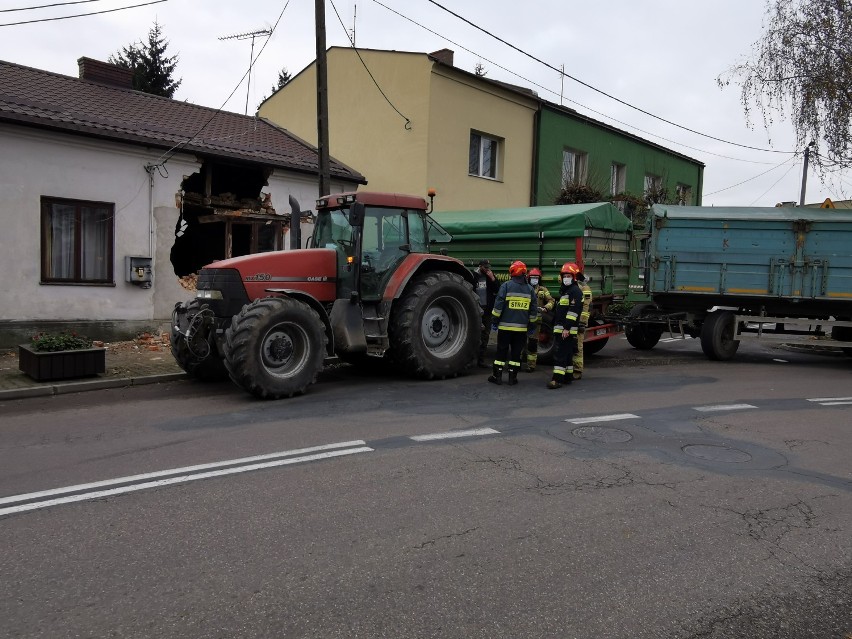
pixel 596 236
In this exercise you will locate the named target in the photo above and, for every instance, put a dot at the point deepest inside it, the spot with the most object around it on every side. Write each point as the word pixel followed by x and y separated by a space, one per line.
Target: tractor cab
pixel 372 234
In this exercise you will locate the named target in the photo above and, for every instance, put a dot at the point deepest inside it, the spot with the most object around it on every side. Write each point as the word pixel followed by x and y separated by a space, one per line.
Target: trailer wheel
pixel 435 328
pixel 591 348
pixel 642 336
pixel 843 334
pixel 193 344
pixel 546 342
pixel 275 347
pixel 717 336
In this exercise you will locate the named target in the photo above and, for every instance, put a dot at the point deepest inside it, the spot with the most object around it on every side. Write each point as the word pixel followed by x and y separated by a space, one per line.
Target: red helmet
pixel 534 272
pixel 570 268
pixel 517 268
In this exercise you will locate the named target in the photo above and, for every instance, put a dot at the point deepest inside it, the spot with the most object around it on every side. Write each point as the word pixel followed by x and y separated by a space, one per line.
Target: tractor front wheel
pixel 193 344
pixel 275 347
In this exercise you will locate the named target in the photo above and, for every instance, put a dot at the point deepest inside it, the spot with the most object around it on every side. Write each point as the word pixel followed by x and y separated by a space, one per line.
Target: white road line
pixel 602 418
pixel 835 403
pixel 455 434
pixel 782 361
pixel 720 407
pixel 831 399
pixel 178 471
pixel 178 480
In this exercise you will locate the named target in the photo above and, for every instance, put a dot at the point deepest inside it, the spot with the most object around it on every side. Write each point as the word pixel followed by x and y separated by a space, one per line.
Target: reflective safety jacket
pixel 587 302
pixel 568 309
pixel 515 308
pixel 545 301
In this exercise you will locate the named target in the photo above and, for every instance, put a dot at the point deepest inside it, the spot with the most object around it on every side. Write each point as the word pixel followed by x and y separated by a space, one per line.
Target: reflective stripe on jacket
pixel 568 308
pixel 515 308
pixel 587 302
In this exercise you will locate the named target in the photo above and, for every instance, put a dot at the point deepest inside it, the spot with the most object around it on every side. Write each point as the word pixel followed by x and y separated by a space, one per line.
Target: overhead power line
pixel 352 42
pixel 46 6
pixel 544 88
pixel 727 188
pixel 604 93
pixel 81 15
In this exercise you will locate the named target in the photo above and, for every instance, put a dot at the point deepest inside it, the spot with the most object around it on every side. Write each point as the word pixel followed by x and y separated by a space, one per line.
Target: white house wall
pixel 36 163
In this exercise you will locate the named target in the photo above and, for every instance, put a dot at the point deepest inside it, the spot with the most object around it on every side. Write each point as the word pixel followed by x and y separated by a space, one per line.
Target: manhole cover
pixel 604 435
pixel 717 453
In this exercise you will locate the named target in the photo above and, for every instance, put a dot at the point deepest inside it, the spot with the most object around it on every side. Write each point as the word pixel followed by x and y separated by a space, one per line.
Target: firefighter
pixel 565 322
pixel 545 303
pixel 514 315
pixel 583 323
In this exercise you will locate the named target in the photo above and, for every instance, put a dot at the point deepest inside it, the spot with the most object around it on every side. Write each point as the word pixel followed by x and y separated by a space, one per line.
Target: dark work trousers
pixel 485 334
pixel 510 343
pixel 563 355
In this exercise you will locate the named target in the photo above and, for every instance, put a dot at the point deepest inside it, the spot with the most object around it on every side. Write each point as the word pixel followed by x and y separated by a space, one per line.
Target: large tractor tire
pixel 435 327
pixel 546 341
pixel 642 336
pixel 275 347
pixel 717 336
pixel 193 344
pixel 590 348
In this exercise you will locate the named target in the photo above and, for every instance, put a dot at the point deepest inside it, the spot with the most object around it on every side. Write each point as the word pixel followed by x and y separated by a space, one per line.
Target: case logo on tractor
pixel 260 277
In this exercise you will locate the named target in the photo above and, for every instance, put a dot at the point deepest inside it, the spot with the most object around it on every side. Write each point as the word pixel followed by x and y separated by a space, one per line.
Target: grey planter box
pixel 44 366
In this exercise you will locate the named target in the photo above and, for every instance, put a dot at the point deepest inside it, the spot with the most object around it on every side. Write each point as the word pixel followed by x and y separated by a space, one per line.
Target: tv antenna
pixel 246 36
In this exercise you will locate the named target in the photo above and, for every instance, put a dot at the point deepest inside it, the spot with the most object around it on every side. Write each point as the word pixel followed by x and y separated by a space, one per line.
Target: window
pixel 482 158
pixel 653 184
pixel 684 194
pixel 573 167
pixel 618 178
pixel 76 241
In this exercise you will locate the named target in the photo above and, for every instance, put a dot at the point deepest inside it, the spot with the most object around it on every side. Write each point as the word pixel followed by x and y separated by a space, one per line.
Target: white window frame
pixel 478 155
pixel 617 178
pixel 574 167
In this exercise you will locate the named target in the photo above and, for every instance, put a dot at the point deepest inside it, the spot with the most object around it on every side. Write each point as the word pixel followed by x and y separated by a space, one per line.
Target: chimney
pixel 105 73
pixel 444 56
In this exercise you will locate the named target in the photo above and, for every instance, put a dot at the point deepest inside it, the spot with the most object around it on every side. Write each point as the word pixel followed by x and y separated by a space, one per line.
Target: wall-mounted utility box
pixel 137 270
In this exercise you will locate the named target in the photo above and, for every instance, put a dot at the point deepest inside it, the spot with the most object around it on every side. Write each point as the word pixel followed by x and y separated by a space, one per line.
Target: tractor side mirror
pixel 356 214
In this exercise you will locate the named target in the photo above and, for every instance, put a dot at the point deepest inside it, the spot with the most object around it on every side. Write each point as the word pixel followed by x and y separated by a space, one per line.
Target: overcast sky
pixel 662 56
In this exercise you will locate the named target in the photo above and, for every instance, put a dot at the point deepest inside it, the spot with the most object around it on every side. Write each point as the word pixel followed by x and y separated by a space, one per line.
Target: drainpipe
pixel 150 171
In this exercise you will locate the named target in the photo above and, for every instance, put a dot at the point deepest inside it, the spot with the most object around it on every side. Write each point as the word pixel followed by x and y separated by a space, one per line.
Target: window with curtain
pixel 574 164
pixel 77 241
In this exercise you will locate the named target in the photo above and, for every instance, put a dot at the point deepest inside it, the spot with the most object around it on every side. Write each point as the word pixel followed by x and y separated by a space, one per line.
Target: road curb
pixel 91 385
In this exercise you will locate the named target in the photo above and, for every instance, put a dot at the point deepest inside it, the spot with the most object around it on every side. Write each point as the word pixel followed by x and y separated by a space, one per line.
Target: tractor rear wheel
pixel 275 347
pixel 435 328
pixel 193 344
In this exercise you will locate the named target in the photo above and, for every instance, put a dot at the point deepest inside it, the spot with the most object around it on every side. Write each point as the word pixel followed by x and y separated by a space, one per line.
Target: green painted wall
pixel 560 130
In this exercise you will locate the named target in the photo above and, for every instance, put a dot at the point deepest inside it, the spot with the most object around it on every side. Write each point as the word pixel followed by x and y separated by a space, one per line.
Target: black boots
pixel 513 376
pixel 558 381
pixel 496 376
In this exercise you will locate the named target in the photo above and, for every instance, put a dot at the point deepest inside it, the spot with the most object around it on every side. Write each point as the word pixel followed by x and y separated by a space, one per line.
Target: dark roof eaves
pixel 574 113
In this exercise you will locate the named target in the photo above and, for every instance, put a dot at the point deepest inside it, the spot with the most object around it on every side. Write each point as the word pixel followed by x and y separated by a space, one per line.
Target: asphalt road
pixel 662 496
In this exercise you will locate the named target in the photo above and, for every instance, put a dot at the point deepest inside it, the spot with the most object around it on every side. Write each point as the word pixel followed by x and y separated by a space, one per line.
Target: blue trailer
pixel 724 274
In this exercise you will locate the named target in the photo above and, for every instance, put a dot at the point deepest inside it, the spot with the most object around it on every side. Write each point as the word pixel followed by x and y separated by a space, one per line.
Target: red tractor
pixel 366 290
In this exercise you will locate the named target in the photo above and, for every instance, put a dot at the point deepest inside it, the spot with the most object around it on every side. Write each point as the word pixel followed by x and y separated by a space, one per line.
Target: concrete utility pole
pixel 322 101
pixel 805 174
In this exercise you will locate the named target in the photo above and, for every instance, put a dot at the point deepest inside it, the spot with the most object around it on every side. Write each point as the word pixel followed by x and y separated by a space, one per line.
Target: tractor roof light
pixel 322 203
pixel 346 199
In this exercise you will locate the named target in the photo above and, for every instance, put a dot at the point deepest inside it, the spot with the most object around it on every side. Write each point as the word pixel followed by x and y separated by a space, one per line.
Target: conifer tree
pixel 153 70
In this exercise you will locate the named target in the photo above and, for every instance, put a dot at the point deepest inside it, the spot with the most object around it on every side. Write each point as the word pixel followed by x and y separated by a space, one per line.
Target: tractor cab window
pixel 333 231
pixel 386 241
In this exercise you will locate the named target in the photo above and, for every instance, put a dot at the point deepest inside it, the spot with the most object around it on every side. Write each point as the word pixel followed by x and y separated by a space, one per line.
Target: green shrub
pixel 60 342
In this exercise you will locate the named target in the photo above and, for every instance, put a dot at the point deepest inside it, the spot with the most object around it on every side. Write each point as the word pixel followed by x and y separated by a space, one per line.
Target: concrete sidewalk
pixel 127 364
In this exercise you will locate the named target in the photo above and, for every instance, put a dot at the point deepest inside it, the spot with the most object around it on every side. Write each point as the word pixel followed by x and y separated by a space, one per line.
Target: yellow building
pixel 430 126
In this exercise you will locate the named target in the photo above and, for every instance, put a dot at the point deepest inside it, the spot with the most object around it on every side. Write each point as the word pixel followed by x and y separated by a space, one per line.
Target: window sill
pixel 108 284
pixel 484 177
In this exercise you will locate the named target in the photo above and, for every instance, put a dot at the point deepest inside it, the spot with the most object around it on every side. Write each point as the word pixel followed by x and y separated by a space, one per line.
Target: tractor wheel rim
pixel 284 350
pixel 442 325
